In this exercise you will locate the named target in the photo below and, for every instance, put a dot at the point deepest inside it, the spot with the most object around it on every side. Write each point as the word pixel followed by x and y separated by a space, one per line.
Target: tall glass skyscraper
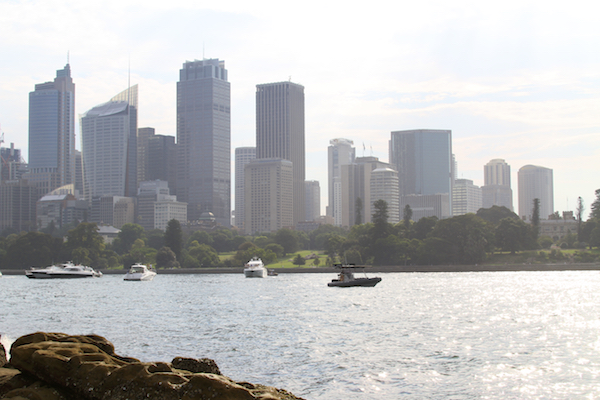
pixel 340 152
pixel 52 132
pixel 204 139
pixel 535 182
pixel 109 146
pixel 280 132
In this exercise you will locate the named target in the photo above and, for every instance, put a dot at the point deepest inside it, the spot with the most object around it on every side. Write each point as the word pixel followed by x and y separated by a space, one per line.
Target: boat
pixel 255 268
pixel 140 272
pixel 272 272
pixel 346 277
pixel 65 271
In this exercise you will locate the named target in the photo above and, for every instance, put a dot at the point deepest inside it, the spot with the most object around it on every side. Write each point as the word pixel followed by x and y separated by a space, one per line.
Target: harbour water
pixel 490 335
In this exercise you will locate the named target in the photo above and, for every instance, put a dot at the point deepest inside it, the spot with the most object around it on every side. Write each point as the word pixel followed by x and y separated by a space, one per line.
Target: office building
pixel 280 132
pixel 340 152
pixel 535 182
pixel 204 139
pixel 269 201
pixel 52 132
pixel 312 201
pixel 161 152
pixel 12 166
pixel 466 197
pixel 60 210
pixel 109 147
pixel 497 190
pixel 384 186
pixel 113 210
pixel 143 160
pixel 423 159
pixel 243 155
pixel 17 206
pixel 427 205
pixel 356 190
pixel 156 206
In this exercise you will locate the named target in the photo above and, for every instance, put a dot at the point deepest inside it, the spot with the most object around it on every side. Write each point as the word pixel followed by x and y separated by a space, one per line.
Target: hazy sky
pixel 518 80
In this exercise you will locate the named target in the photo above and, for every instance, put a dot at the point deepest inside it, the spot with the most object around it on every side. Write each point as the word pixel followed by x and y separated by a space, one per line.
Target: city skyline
pixel 490 73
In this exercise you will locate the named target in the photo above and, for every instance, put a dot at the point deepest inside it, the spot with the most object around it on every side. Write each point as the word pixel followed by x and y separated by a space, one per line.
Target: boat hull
pixel 366 282
pixel 139 277
pixel 255 273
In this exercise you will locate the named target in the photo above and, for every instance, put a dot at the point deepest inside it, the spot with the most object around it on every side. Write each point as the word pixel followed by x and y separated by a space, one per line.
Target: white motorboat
pixel 140 272
pixel 255 268
pixel 65 271
pixel 346 277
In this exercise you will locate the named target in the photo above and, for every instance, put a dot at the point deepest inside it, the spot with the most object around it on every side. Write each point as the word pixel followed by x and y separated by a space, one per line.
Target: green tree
pixel 511 234
pixel 85 236
pixel 424 226
pixel 201 237
pixel 495 214
pixel 469 236
pixel 380 219
pixel 243 256
pixel 333 245
pixel 316 262
pixel 595 208
pixel 579 213
pixel 203 254
pixel 595 237
pixel 32 249
pixel 166 258
pixel 127 236
pixel 222 240
pixel 174 238
pixel 275 248
pixel 155 238
pixel 299 260
pixel 407 216
pixel 287 239
pixel 358 207
pixel 535 219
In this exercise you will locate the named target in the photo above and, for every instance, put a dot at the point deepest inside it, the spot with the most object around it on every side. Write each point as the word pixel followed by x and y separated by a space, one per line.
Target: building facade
pixel 384 186
pixel 280 133
pixel 243 156
pixel 109 147
pixel 52 132
pixel 340 152
pixel 535 182
pixel 466 197
pixel 204 139
pixel 356 190
pixel 423 159
pixel 312 201
pixel 17 206
pixel 497 190
pixel 269 201
pixel 427 205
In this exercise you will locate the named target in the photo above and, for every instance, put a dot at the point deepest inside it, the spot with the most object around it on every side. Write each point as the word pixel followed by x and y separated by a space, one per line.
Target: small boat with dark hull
pixel 346 277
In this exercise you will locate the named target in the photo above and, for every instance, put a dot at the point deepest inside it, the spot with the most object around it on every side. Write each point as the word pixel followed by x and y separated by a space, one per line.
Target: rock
pixel 56 366
pixel 2 354
pixel 205 365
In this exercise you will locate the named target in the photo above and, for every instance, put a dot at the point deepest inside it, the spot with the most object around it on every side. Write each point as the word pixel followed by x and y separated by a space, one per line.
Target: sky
pixel 516 80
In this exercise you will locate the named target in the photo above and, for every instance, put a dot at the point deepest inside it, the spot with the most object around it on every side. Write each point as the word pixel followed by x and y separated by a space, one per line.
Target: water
pixel 498 335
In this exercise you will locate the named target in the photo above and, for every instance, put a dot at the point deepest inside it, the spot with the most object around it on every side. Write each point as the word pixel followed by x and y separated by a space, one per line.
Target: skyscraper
pixel 52 132
pixel 280 132
pixel 312 202
pixel 340 152
pixel 243 156
pixel 204 139
pixel 109 146
pixel 535 182
pixel 466 197
pixel 423 159
pixel 496 190
pixel 384 186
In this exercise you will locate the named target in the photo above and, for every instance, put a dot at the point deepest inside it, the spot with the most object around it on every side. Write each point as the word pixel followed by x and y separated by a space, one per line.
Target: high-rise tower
pixel 280 132
pixel 109 146
pixel 496 190
pixel 340 152
pixel 204 139
pixel 535 182
pixel 243 156
pixel 52 132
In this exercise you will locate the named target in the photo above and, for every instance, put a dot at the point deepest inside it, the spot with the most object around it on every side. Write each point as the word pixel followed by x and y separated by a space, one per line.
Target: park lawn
pixel 286 262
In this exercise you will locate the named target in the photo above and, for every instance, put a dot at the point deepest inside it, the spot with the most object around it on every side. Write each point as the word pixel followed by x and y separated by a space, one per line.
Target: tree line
pixel 465 239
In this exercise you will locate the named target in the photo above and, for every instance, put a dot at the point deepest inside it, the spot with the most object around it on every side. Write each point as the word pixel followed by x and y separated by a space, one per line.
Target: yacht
pixel 346 277
pixel 140 272
pixel 65 271
pixel 255 268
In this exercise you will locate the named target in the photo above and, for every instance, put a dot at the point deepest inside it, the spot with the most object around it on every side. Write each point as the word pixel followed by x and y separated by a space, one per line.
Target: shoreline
pixel 374 269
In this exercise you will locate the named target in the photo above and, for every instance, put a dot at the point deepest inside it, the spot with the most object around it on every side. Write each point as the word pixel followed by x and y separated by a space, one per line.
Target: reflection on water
pixel 520 335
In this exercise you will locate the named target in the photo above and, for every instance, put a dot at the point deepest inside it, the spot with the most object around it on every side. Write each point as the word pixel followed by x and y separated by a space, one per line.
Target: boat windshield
pixel 136 270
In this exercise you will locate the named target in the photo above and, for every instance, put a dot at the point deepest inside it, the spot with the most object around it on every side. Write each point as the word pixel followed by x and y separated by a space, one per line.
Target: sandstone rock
pixel 2 355
pixel 85 367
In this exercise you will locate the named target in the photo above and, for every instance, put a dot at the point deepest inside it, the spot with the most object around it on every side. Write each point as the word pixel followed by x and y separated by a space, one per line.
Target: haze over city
pixel 518 80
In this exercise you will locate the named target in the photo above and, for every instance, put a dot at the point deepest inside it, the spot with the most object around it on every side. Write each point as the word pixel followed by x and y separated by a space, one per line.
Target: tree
pixel 127 236
pixel 174 237
pixel 32 249
pixel 555 216
pixel 299 260
pixel 165 258
pixel 511 234
pixel 424 226
pixel 204 254
pixel 579 212
pixel 535 219
pixel 407 216
pixel 287 239
pixel 468 236
pixel 380 219
pixel 85 236
pixel 495 214
pixel 595 214
pixel 358 206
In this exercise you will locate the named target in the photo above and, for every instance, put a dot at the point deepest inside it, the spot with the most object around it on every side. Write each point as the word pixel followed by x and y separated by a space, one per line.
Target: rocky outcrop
pixel 56 366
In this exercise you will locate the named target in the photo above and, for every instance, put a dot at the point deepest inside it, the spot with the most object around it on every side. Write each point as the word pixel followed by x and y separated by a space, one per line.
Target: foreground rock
pixel 56 366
